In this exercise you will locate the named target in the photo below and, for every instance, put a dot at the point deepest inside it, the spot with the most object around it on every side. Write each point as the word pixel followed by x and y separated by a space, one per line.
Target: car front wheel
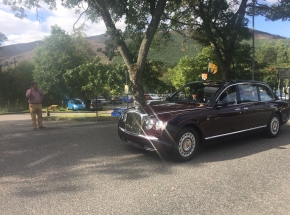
pixel 273 127
pixel 186 144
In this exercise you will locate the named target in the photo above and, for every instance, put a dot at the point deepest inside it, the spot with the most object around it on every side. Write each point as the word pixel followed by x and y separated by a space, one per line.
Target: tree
pixel 94 78
pixel 141 16
pixel 220 24
pixel 14 82
pixel 88 79
pixel 57 54
pixel 278 10
pixel 273 56
pixel 266 54
pixel 2 39
pixel 152 75
pixel 190 69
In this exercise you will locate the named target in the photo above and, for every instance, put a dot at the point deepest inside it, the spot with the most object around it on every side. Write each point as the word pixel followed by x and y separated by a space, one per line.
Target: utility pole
pixel 253 39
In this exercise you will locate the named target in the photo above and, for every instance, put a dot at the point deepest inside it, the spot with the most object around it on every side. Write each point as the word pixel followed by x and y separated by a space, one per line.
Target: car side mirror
pixel 221 103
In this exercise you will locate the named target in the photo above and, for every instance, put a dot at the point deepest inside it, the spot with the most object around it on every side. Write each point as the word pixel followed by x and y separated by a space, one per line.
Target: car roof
pixel 222 82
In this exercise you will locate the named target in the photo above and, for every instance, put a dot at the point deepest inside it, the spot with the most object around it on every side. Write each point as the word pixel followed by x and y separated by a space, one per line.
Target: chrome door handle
pixel 246 108
pixel 237 109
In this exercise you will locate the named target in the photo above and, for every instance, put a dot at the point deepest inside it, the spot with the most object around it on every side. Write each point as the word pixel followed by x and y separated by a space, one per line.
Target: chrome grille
pixel 134 122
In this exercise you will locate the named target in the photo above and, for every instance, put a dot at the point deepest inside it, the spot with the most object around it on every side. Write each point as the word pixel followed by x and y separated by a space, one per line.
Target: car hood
pixel 167 110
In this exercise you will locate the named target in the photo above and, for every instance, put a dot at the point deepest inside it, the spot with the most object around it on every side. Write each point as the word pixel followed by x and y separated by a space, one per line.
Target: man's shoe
pixel 41 127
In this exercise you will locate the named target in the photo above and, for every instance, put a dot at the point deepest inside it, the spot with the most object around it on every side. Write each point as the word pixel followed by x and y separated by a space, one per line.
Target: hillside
pixel 169 54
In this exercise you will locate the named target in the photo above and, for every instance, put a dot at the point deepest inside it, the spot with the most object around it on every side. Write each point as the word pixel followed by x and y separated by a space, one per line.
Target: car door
pixel 267 98
pixel 252 109
pixel 226 119
pixel 70 104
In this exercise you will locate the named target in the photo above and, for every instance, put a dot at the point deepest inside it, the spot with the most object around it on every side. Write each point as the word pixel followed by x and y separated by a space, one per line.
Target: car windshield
pixel 196 92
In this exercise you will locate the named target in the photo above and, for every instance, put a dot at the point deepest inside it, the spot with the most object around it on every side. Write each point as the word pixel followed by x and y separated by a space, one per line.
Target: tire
pixel 186 145
pixel 273 127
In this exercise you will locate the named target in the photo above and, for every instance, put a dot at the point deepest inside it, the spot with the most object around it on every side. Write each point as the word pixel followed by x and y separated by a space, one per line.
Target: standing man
pixel 35 97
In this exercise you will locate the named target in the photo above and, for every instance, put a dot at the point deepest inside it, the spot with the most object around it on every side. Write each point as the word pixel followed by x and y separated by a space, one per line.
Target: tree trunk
pixel 136 78
pixel 135 70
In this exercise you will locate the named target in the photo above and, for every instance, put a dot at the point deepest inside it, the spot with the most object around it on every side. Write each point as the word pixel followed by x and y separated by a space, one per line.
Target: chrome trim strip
pixel 236 132
pixel 139 135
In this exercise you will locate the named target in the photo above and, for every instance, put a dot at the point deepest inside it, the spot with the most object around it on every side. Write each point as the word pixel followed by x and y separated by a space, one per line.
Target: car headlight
pixel 160 125
pixel 156 124
pixel 149 124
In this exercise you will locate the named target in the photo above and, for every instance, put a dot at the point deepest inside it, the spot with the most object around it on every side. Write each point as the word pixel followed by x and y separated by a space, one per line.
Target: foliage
pixel 184 72
pixel 274 56
pixel 2 38
pixel 143 18
pixel 83 47
pixel 88 79
pixel 220 24
pixel 278 10
pixel 152 75
pixel 190 69
pixel 57 54
pixel 94 78
pixel 14 82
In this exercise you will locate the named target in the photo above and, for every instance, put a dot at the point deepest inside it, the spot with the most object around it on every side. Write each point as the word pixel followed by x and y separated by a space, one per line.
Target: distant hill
pixel 25 51
pixel 170 54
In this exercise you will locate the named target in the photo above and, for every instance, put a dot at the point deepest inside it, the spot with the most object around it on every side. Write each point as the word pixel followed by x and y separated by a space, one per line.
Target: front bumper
pixel 149 143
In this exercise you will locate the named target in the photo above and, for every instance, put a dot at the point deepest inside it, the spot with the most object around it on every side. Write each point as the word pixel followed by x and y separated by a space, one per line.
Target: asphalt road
pixel 83 168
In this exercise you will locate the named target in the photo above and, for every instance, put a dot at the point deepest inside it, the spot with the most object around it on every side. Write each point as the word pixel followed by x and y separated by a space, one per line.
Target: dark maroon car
pixel 201 111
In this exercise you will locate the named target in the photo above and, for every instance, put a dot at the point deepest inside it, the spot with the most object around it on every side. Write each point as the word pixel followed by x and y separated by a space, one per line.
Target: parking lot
pixel 84 168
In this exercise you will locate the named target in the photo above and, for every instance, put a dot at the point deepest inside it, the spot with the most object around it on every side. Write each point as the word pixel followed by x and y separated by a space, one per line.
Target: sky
pixel 31 29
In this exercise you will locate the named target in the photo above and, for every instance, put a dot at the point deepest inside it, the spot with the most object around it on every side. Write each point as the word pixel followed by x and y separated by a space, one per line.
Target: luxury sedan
pixel 202 111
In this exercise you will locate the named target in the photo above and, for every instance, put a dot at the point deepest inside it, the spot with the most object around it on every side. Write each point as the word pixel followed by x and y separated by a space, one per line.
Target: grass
pixel 69 115
pixel 82 118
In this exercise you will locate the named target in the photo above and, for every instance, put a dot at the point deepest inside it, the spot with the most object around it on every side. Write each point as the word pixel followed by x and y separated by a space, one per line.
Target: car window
pixel 265 93
pixel 195 92
pixel 229 95
pixel 248 93
pixel 77 102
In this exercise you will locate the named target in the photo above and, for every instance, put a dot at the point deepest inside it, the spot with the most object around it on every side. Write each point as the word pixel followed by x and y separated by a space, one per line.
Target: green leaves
pixel 279 10
pixel 14 82
pixel 273 56
pixel 58 53
pixel 219 24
